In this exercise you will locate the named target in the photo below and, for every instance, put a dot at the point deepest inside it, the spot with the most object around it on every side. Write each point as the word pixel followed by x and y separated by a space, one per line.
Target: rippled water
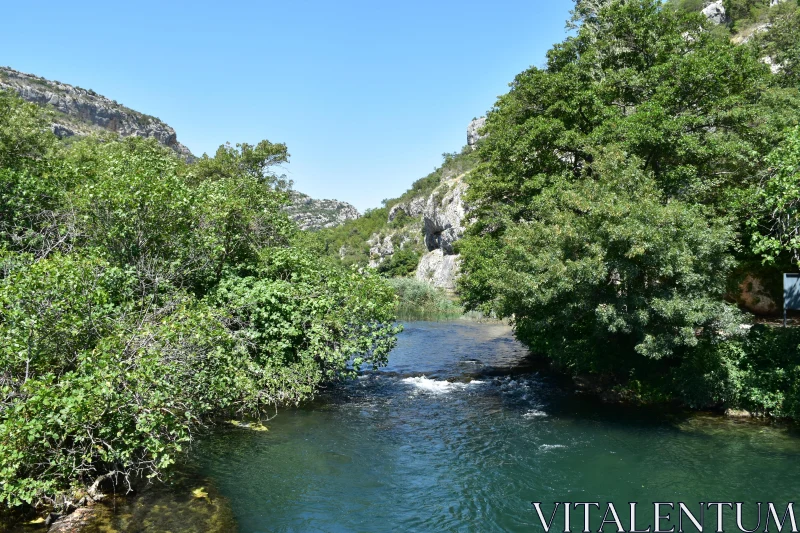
pixel 455 436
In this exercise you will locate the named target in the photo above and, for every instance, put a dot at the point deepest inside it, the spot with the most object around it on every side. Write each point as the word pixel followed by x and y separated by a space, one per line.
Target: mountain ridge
pixel 78 112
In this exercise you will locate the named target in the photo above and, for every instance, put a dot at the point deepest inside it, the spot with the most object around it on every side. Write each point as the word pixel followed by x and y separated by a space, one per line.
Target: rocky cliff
pixel 434 223
pixel 428 220
pixel 313 214
pixel 443 225
pixel 473 132
pixel 79 111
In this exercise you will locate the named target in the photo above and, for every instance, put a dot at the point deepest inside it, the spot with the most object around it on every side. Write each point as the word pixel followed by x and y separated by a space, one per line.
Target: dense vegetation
pixel 420 301
pixel 141 298
pixel 623 185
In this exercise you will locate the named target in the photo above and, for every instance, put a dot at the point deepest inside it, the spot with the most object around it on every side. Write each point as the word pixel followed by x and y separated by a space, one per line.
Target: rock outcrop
pixel 715 12
pixel 472 132
pixel 380 247
pixel 754 297
pixel 313 214
pixel 80 112
pixel 443 221
pixel 412 208
pixel 439 269
pixel 443 217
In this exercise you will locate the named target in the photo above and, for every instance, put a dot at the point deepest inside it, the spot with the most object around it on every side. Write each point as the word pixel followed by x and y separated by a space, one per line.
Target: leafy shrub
pixel 771 367
pixel 401 263
pixel 157 296
pixel 305 321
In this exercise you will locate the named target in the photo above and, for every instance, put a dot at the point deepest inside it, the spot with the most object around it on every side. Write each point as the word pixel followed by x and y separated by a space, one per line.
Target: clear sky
pixel 367 95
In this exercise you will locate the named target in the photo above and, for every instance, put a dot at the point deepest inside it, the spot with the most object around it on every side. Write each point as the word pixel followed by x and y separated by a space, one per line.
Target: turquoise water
pixel 457 434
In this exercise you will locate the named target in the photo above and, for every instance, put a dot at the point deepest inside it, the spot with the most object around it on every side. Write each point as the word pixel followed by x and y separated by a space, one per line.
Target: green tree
pixel 142 298
pixel 603 200
pixel 781 42
pixel 31 184
pixel 604 271
pixel 775 204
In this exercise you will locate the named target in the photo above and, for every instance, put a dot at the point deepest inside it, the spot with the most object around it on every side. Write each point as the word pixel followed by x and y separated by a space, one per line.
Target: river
pixel 456 434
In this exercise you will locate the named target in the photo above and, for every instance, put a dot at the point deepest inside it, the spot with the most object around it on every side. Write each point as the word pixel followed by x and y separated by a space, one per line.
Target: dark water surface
pixel 451 437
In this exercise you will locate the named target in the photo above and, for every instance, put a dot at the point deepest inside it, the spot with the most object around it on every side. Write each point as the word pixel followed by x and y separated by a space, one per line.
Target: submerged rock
pixel 75 522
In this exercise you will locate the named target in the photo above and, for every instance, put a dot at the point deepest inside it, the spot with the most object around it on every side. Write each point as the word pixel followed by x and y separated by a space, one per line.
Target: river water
pixel 458 434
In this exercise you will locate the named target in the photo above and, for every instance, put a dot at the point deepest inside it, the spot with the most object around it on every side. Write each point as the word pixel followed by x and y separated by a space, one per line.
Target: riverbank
pixel 186 504
pixel 463 427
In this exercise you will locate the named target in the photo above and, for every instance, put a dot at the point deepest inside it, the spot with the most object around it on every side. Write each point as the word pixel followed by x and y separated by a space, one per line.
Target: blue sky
pixel 367 95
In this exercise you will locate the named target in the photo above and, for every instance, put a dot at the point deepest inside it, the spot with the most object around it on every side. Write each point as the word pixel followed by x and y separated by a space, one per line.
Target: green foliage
pixel 781 42
pixel 25 136
pixel 744 12
pixel 402 263
pixel 246 159
pixel 688 6
pixel 132 206
pixel 453 164
pixel 771 368
pixel 30 189
pixel 607 194
pixel 142 298
pixel 92 389
pixel 603 267
pixel 349 241
pixel 759 372
pixel 775 204
pixel 304 320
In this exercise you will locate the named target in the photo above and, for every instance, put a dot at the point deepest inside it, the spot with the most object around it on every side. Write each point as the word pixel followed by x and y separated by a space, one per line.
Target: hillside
pixel 77 112
pixel 416 233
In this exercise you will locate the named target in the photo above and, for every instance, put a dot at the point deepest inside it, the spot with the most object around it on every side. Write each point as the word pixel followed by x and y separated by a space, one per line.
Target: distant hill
pixel 78 111
pixel 313 214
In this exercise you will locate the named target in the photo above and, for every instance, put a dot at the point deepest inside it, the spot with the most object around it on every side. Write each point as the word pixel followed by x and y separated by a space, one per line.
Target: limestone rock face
pixel 80 112
pixel 443 218
pixel 380 249
pixel 472 132
pixel 412 208
pixel 313 214
pixel 755 298
pixel 715 12
pixel 439 269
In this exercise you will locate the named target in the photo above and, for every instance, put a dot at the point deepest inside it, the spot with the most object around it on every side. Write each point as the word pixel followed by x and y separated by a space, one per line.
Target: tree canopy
pixel 143 298
pixel 607 204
